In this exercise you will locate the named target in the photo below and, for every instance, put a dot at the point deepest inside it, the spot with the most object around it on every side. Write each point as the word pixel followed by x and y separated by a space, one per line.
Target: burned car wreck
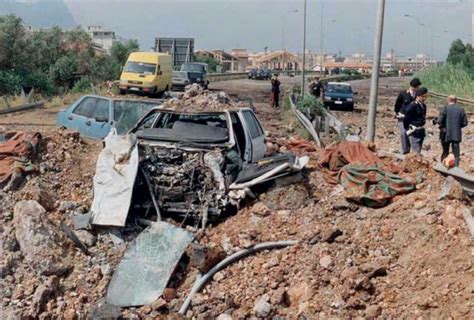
pixel 187 164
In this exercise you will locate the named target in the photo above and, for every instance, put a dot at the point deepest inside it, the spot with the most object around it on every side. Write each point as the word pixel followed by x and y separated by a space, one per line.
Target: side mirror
pixel 101 119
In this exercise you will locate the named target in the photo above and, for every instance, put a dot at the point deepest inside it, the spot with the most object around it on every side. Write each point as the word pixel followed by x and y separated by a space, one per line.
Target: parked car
pixel 259 74
pixel 195 162
pixel 180 80
pixel 94 116
pixel 197 73
pixel 146 73
pixel 338 95
pixel 267 74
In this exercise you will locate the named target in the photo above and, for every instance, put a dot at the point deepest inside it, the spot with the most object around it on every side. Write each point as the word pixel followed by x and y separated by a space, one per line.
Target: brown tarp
pixel 366 178
pixel 334 158
pixel 16 153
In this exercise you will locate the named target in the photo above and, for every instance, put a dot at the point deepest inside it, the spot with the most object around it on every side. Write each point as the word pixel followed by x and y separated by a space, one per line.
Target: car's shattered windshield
pixel 179 127
pixel 127 113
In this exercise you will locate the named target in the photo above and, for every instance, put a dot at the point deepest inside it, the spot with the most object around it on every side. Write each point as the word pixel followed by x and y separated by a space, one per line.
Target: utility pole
pixel 304 50
pixel 321 43
pixel 375 72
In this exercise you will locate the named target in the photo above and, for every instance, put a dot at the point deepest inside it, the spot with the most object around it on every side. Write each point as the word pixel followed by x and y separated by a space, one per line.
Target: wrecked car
pixel 192 165
pixel 94 116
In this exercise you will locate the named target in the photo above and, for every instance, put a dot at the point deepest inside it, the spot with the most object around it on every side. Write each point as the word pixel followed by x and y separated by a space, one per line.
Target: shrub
pixel 83 85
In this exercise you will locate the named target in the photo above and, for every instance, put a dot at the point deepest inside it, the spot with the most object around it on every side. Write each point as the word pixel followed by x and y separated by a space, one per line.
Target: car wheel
pixel 351 107
pixel 122 92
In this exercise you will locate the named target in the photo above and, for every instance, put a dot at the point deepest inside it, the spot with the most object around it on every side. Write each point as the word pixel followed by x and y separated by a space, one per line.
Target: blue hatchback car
pixel 94 116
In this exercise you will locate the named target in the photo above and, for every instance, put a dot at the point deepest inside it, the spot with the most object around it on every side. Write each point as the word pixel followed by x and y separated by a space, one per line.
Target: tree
pixel 212 63
pixel 12 43
pixel 456 52
pixel 121 50
pixel 64 71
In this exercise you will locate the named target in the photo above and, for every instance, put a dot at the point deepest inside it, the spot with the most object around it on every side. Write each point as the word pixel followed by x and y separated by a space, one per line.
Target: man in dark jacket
pixel 452 118
pixel 403 100
pixel 415 119
pixel 315 87
pixel 275 91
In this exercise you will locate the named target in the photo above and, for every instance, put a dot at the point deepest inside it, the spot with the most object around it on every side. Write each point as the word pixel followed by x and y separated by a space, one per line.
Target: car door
pixel 99 120
pixel 78 117
pixel 256 133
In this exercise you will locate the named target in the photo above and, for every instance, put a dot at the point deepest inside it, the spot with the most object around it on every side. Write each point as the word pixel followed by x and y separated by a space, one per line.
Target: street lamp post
pixel 370 136
pixel 304 50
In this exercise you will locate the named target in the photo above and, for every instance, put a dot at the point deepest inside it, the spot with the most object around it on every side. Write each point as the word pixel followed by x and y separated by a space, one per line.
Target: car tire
pixel 123 92
pixel 351 107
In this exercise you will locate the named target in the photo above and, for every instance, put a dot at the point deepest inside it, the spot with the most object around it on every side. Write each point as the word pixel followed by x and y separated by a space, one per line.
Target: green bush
pixel 313 104
pixel 10 83
pixel 82 86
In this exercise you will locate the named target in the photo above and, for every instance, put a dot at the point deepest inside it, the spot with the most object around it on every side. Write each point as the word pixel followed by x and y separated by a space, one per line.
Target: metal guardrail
pixel 22 107
pixel 463 100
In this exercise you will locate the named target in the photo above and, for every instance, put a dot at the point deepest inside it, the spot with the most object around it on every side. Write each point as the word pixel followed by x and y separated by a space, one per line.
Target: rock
pixel 43 197
pixel 262 308
pixel 204 258
pixel 260 209
pixel 104 310
pixel 65 206
pixel 86 237
pixel 451 190
pixel 169 294
pixel 37 239
pixel 158 304
pixel 326 262
pixel 330 235
pixel 299 294
pixel 43 293
pixel 224 316
pixel 373 312
pixel 219 276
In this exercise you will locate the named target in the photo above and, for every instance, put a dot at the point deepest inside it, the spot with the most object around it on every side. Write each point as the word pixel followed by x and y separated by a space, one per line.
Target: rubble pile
pixel 197 99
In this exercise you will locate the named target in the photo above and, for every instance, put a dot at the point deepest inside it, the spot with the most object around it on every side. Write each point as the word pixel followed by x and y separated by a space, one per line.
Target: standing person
pixel 275 91
pixel 403 100
pixel 452 118
pixel 415 119
pixel 315 87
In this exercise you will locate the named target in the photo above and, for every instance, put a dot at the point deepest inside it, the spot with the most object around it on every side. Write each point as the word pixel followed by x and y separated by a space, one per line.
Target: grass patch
pixel 448 79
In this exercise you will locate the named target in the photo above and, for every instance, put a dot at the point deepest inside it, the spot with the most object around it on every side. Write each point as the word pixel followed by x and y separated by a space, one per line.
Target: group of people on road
pixel 410 110
pixel 315 88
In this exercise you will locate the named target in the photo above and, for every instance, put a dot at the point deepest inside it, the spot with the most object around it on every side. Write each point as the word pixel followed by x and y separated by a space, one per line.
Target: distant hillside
pixel 39 13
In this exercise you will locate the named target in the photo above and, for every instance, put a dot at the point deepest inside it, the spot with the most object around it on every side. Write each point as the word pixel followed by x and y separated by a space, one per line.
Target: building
pixel 227 61
pixel 101 37
pixel 277 60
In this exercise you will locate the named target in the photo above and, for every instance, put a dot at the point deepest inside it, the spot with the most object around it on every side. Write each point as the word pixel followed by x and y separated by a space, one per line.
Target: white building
pixel 101 37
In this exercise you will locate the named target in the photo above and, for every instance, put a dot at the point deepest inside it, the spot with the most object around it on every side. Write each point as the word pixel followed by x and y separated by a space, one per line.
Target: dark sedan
pixel 338 95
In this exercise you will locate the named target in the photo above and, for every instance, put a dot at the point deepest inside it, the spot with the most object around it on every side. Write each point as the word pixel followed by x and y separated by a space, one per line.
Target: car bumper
pixel 339 104
pixel 137 88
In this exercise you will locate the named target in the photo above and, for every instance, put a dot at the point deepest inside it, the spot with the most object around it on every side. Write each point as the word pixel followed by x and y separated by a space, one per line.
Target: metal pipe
pixel 304 50
pixel 375 73
pixel 201 281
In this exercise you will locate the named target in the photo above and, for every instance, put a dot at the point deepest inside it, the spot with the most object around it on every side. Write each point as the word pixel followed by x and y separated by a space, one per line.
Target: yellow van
pixel 147 72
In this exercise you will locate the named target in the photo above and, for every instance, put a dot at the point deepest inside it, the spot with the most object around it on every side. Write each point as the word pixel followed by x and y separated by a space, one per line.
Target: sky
pixel 348 25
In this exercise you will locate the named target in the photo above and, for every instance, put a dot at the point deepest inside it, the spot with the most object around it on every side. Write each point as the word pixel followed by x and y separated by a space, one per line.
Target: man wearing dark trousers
pixel 452 118
pixel 275 91
pixel 415 119
pixel 403 100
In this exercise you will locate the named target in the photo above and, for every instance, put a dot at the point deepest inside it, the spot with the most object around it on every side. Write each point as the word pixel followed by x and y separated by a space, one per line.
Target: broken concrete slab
pixel 146 267
pixel 116 171
pixel 452 189
pixel 37 239
pixel 81 221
